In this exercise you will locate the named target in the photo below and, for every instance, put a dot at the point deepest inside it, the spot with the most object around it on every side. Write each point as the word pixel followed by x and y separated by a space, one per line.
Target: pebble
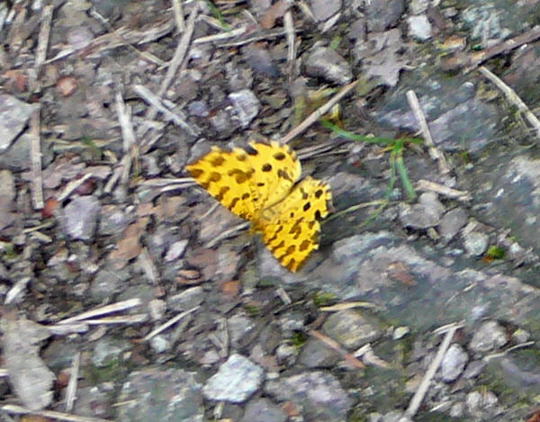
pixel 479 403
pixel 453 363
pixel 419 27
pixel 164 395
pixel 80 217
pixel 109 351
pixel 263 410
pixel 383 14
pixel 489 336
pixel 246 106
pixel 351 329
pixel 426 213
pixel 452 222
pixel 318 393
pixel 14 115
pixel 324 9
pixel 324 62
pixel 475 243
pixel 186 299
pixel 236 380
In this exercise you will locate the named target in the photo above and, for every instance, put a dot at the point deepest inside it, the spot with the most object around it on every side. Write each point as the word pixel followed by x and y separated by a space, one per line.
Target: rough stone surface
pixel 325 63
pixel 168 395
pixel 452 222
pixel 426 213
pixel 475 243
pixel 324 9
pixel 80 217
pixel 453 363
pixel 318 393
pixel 236 380
pixel 263 410
pixel 383 14
pixel 13 117
pixel 489 336
pixel 419 27
pixel 351 329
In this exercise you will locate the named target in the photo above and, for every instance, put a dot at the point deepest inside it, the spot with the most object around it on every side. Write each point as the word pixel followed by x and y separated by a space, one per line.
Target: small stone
pixel 419 27
pixel 474 369
pixel 108 351
pixel 489 336
pixel 324 9
pixel 316 354
pixel 236 380
pixel 452 222
pixel 427 213
pixel 351 329
pixel 80 217
pixel 318 392
pixel 453 363
pixel 400 332
pixel 160 343
pixel 325 63
pixel 187 299
pixel 521 336
pixel 478 403
pixel 418 6
pixel 475 243
pixel 246 106
pixel 239 327
pixel 161 395
pixel 263 410
pixel 383 14
pixel 176 250
pixel 13 117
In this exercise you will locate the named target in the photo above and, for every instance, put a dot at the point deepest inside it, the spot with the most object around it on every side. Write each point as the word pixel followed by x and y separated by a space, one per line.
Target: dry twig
pixel 108 309
pixel 316 115
pixel 170 322
pixel 19 410
pixel 427 185
pixel 71 389
pixel 434 152
pixel 334 345
pixel 35 151
pixel 511 96
pixel 179 15
pixel 424 385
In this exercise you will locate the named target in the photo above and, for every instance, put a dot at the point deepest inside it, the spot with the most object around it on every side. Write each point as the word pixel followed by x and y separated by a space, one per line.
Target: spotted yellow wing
pixel 290 228
pixel 247 181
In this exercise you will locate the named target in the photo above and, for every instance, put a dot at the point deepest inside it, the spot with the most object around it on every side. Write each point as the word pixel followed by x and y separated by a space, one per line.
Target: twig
pixel 170 322
pixel 16 290
pixel 334 345
pixel 511 96
pixel 434 152
pixel 71 389
pixel 348 305
pixel 427 185
pixel 114 307
pixel 221 36
pixel 179 15
pixel 288 24
pixel 147 265
pixel 19 410
pixel 43 43
pixel 71 186
pixel 313 117
pixel 156 103
pixel 35 155
pixel 129 140
pixel 424 385
pixel 180 52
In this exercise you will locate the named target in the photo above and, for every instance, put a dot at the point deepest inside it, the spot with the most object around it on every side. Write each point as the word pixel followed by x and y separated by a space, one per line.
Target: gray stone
pixel 351 329
pixel 475 243
pixel 263 410
pixel 324 9
pixel 419 27
pixel 94 401
pixel 481 404
pixel 239 327
pixel 325 63
pixel 164 395
pixel 453 363
pixel 489 336
pixel 316 354
pixel 108 282
pixel 427 213
pixel 80 217
pixel 474 369
pixel 318 393
pixel 109 351
pixel 160 343
pixel 246 106
pixel 418 6
pixel 187 299
pixel 13 117
pixel 236 380
pixel 112 220
pixel 383 14
pixel 452 222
